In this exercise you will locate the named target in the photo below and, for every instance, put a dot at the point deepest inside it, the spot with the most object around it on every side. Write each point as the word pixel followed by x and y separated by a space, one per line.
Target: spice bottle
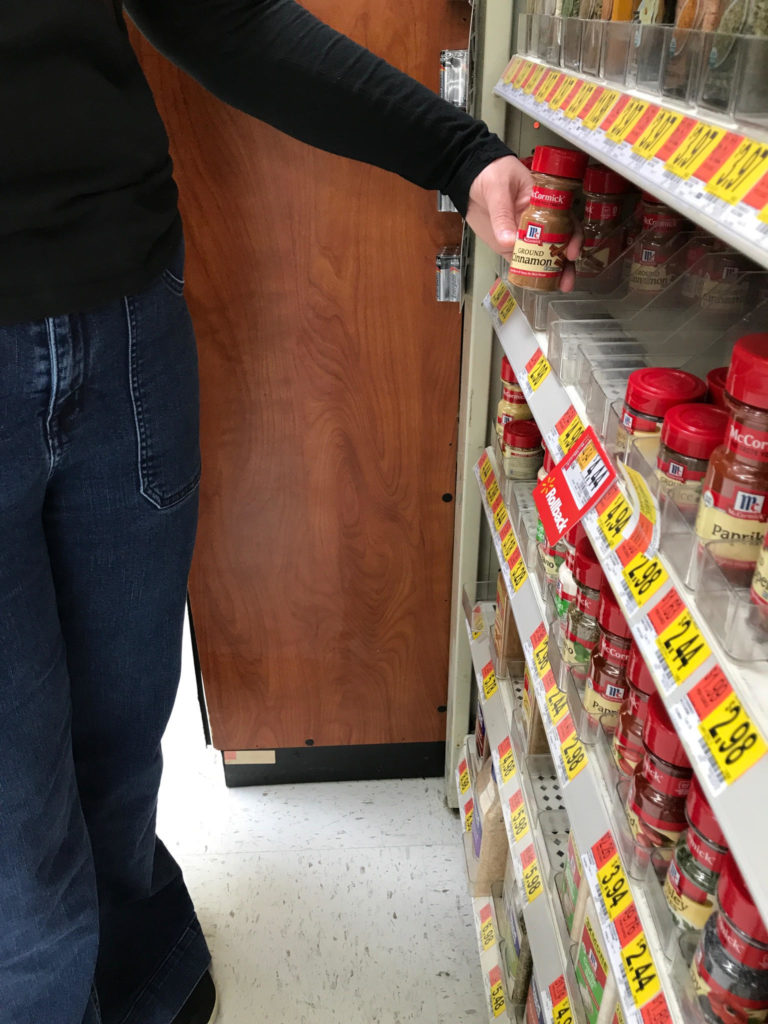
pixel 512 404
pixel 522 453
pixel 716 386
pixel 695 265
pixel 628 739
pixel 733 512
pixel 566 584
pixel 694 870
pixel 689 435
pixel 730 965
pixel 651 392
pixel 606 685
pixel 581 629
pixel 724 286
pixel 546 225
pixel 660 783
pixel 602 214
pixel 551 555
pixel 651 272
pixel 758 591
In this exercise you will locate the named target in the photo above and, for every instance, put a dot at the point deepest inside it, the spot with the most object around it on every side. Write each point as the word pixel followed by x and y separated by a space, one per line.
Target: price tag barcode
pixel 645 577
pixel 586 475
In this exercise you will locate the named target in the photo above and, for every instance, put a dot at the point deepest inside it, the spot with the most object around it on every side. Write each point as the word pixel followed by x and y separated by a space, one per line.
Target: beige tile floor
pixel 335 902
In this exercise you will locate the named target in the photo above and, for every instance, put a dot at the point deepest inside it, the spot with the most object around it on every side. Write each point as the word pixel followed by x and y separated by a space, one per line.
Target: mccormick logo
pixel 675 469
pixel 533 233
pixel 757 443
pixel 749 503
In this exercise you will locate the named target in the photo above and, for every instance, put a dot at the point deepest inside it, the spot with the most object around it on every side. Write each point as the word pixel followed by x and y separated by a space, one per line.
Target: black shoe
pixel 202 1005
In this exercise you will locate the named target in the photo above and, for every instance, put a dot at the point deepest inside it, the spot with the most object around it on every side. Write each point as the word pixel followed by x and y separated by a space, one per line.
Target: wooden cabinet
pixel 320 589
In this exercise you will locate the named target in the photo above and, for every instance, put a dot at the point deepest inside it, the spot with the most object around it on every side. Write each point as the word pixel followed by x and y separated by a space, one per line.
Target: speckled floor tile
pixel 340 902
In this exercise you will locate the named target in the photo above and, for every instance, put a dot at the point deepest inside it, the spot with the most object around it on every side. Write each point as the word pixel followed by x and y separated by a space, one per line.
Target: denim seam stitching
pixel 161 967
pixel 51 331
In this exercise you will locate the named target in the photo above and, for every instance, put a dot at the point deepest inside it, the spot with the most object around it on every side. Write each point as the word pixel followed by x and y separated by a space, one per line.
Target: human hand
pixel 498 196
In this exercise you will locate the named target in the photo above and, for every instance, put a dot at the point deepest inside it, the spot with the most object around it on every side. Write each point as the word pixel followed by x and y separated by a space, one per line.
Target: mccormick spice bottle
pixel 628 746
pixel 602 214
pixel 660 783
pixel 522 453
pixel 689 435
pixel 606 685
pixel 581 629
pixel 758 591
pixel 512 404
pixel 730 966
pixel 716 386
pixel 546 225
pixel 696 264
pixel 733 511
pixel 694 870
pixel 651 272
pixel 651 392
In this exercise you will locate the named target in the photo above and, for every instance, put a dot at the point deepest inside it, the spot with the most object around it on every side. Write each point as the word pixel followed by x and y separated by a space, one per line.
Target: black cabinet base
pixel 341 764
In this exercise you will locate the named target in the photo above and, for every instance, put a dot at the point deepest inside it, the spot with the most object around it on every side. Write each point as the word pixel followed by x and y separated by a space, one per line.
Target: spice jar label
pixel 539 253
pixel 690 905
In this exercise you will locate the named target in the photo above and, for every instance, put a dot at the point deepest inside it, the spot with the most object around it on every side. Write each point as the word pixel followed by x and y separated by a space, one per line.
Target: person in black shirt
pixel 100 459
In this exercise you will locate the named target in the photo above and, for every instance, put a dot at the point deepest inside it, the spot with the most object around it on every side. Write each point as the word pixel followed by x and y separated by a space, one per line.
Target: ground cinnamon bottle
pixel 651 271
pixel 546 225
pixel 606 683
pixel 733 510
pixel 628 739
pixel 602 215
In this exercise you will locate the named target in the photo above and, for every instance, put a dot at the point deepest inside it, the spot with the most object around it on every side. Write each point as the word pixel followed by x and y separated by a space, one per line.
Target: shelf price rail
pixel 526 846
pixel 636 958
pixel 716 177
pixel 714 702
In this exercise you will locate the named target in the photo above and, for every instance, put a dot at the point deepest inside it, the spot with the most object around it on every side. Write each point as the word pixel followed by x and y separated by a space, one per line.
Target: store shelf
pixel 715 174
pixel 533 872
pixel 585 787
pixel 710 672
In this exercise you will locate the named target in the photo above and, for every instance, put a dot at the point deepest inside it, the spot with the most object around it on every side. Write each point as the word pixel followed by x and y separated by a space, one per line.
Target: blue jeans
pixel 99 466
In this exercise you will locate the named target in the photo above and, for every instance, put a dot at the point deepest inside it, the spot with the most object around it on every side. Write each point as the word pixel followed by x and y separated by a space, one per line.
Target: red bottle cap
pixel 694 429
pixel 610 617
pixel 604 182
pixel 563 163
pixel 522 434
pixel 656 389
pixel 586 568
pixel 737 904
pixel 701 816
pixel 574 535
pixel 507 373
pixel 660 737
pixel 638 673
pixel 716 386
pixel 748 374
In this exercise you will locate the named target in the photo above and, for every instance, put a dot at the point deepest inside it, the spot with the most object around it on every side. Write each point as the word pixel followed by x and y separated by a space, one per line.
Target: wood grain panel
pixel 320 587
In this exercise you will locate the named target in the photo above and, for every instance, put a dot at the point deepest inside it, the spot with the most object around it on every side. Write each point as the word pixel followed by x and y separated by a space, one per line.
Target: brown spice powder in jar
pixel 546 225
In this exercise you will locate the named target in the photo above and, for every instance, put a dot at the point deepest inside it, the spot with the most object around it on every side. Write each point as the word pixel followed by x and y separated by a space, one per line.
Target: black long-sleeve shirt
pixel 88 207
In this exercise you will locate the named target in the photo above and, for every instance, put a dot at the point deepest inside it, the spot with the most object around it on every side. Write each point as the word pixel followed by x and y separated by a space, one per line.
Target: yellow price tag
pixel 656 134
pixel 601 109
pixel 518 574
pixel 490 686
pixel 538 372
pixel 640 970
pixel 683 647
pixel 486 469
pixel 511 70
pixel 487 931
pixel 534 80
pixel 614 519
pixel 463 778
pixel 500 517
pixel 468 815
pixel 507 765
pixel 509 546
pixel 507 308
pixel 493 492
pixel 763 215
pixel 546 84
pixel 562 1013
pixel 741 172
pixel 580 99
pixel 574 755
pixel 522 71
pixel 571 434
pixel 498 292
pixel 586 456
pixel 645 577
pixel 614 887
pixel 519 820
pixel 541 657
pixel 532 881
pixel 694 150
pixel 562 91
pixel 732 738
pixel 498 1003
pixel 627 120
pixel 557 705
pixel 645 498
